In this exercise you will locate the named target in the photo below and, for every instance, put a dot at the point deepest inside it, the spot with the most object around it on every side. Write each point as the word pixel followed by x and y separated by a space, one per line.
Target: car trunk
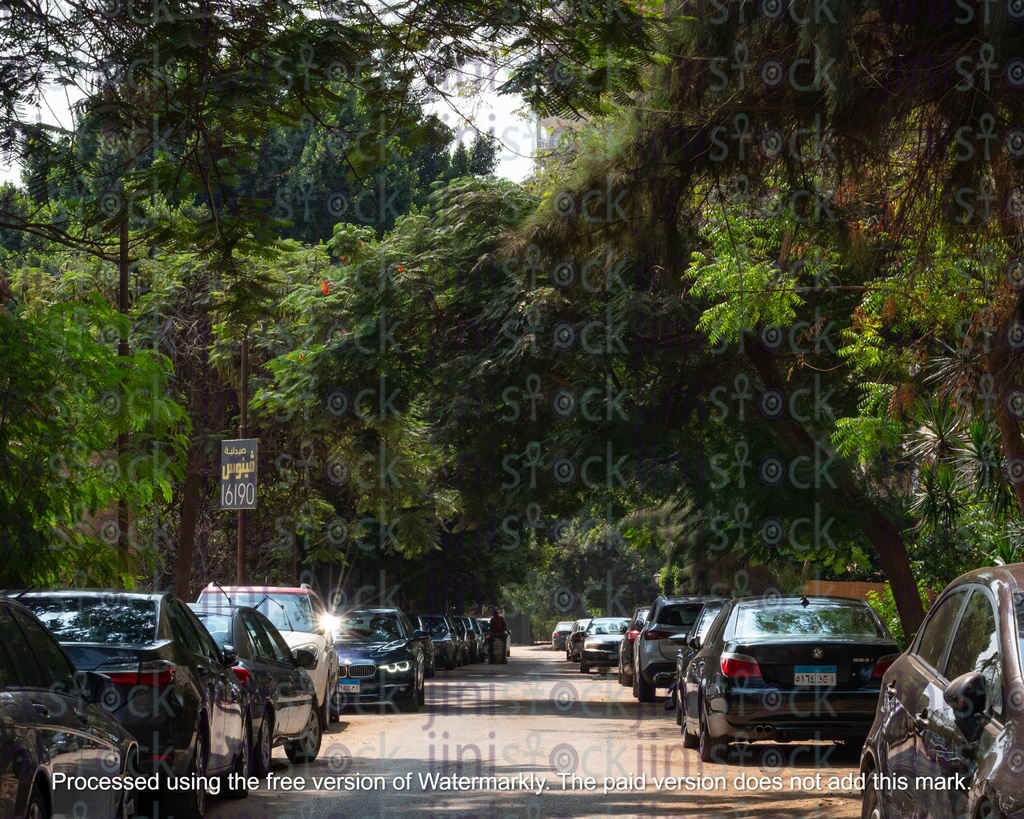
pixel 819 663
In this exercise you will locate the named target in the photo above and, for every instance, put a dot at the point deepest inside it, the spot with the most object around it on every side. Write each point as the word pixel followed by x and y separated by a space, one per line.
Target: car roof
pixel 259 589
pixel 64 593
pixel 798 599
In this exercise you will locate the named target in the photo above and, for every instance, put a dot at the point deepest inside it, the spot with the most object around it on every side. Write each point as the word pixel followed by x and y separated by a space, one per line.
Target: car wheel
pixel 264 746
pixel 307 747
pixel 241 769
pixel 36 807
pixel 189 804
pixel 871 805
pixel 689 739
pixel 584 668
pixel 332 714
pixel 709 748
pixel 678 709
pixel 130 797
pixel 644 689
pixel 421 695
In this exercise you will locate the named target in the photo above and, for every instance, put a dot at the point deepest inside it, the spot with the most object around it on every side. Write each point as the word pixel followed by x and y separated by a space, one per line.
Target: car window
pixel 824 619
pixel 935 634
pixel 22 669
pixel 707 619
pixel 282 652
pixel 110 618
pixel 219 626
pixel 976 648
pixel 262 643
pixel 678 615
pixel 183 629
pixel 58 672
pixel 208 644
pixel 435 626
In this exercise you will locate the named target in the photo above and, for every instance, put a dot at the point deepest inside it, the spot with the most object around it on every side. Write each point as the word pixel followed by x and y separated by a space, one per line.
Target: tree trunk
pixel 997 364
pixel 189 518
pixel 848 492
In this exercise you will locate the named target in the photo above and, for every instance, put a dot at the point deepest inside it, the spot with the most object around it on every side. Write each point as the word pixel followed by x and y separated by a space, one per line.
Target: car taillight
pixel 654 634
pixel 740 665
pixel 631 635
pixel 150 674
pixel 243 674
pixel 882 665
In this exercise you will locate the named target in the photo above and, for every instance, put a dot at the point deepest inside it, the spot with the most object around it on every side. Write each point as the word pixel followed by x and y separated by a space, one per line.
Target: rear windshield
pixel 289 612
pixel 813 620
pixel 97 619
pixel 679 614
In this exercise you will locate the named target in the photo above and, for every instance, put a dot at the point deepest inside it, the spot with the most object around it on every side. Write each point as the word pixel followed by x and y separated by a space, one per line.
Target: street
pixel 492 741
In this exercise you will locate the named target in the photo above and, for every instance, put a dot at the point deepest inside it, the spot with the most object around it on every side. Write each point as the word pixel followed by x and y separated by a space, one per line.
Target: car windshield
pixel 607 626
pixel 368 627
pixel 108 618
pixel 435 625
pixel 219 626
pixel 811 620
pixel 289 612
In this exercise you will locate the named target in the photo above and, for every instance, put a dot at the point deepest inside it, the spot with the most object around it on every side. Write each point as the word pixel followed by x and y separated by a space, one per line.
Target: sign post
pixel 238 473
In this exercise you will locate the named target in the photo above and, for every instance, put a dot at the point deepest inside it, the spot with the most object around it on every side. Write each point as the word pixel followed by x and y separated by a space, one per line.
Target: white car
pixel 303 620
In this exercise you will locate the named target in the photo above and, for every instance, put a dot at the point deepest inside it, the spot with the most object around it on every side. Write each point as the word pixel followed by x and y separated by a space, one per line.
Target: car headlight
pixel 395 668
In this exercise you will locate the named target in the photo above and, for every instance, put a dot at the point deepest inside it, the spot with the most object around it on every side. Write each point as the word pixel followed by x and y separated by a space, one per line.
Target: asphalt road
pixel 524 724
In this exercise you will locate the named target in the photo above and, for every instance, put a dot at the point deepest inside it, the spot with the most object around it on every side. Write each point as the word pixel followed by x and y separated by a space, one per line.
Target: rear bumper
pixel 659 674
pixel 797 714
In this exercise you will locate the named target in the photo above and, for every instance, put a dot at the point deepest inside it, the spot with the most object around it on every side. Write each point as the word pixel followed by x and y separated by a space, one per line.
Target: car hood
pixel 302 638
pixel 374 652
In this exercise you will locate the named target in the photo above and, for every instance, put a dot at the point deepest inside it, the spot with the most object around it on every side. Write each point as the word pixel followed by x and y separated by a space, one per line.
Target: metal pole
pixel 243 432
pixel 123 350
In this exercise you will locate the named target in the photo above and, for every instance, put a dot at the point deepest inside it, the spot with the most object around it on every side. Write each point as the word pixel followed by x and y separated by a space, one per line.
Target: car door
pixel 66 733
pixel 276 670
pixel 942 751
pixel 905 705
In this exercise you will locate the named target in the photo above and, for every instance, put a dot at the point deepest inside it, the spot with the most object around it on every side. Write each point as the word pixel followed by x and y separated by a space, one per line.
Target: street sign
pixel 238 473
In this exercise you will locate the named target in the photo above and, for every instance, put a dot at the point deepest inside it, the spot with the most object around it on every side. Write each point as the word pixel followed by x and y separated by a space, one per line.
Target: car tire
pixel 130 797
pixel 189 804
pixel 644 689
pixel 871 804
pixel 690 740
pixel 421 695
pixel 709 748
pixel 584 668
pixel 35 808
pixel 241 768
pixel 622 679
pixel 263 747
pixel 678 708
pixel 307 747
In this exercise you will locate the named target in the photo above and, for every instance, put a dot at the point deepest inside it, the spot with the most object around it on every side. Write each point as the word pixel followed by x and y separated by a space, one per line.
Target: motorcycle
pixel 499 648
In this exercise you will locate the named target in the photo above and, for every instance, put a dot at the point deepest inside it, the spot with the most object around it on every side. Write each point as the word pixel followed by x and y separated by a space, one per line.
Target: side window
pixel 182 628
pixel 57 669
pixel 265 649
pixel 976 648
pixel 281 650
pixel 208 645
pixel 938 629
pixel 18 666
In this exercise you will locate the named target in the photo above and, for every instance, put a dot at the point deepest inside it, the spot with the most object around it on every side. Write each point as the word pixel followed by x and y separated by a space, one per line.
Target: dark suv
pixel 654 655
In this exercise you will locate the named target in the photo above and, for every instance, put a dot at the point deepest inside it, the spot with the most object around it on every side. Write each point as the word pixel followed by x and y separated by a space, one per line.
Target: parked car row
pixel 142 686
pixel 937 726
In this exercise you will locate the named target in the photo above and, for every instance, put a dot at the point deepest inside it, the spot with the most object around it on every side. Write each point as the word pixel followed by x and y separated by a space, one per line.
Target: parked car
pixel 793 668
pixel 283 705
pixel 442 635
pixel 301 617
pixel 950 711
pixel 461 634
pixel 688 644
pixel 50 723
pixel 654 657
pixel 559 633
pixel 601 640
pixel 626 646
pixel 574 641
pixel 170 684
pixel 474 640
pixel 382 659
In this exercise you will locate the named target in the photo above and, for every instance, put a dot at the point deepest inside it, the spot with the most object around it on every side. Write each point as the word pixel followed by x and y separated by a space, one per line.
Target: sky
pixel 465 112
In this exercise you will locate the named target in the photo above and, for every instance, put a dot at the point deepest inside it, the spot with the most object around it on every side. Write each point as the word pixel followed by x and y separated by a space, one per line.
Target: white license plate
pixel 348 688
pixel 814 675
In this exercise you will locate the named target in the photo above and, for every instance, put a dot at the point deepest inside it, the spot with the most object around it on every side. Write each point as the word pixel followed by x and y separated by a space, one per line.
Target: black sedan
pixel 172 687
pixel 792 668
pixel 688 644
pixel 56 743
pixel 282 696
pixel 381 658
pixel 947 736
pixel 442 635
pixel 601 640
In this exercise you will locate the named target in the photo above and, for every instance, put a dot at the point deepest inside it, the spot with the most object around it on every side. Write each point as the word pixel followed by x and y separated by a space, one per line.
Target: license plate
pixel 348 688
pixel 814 675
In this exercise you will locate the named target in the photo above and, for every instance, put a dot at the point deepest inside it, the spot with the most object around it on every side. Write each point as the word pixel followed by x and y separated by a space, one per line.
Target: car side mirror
pixel 420 634
pixel 694 642
pixel 304 658
pixel 230 655
pixel 967 696
pixel 624 629
pixel 91 684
